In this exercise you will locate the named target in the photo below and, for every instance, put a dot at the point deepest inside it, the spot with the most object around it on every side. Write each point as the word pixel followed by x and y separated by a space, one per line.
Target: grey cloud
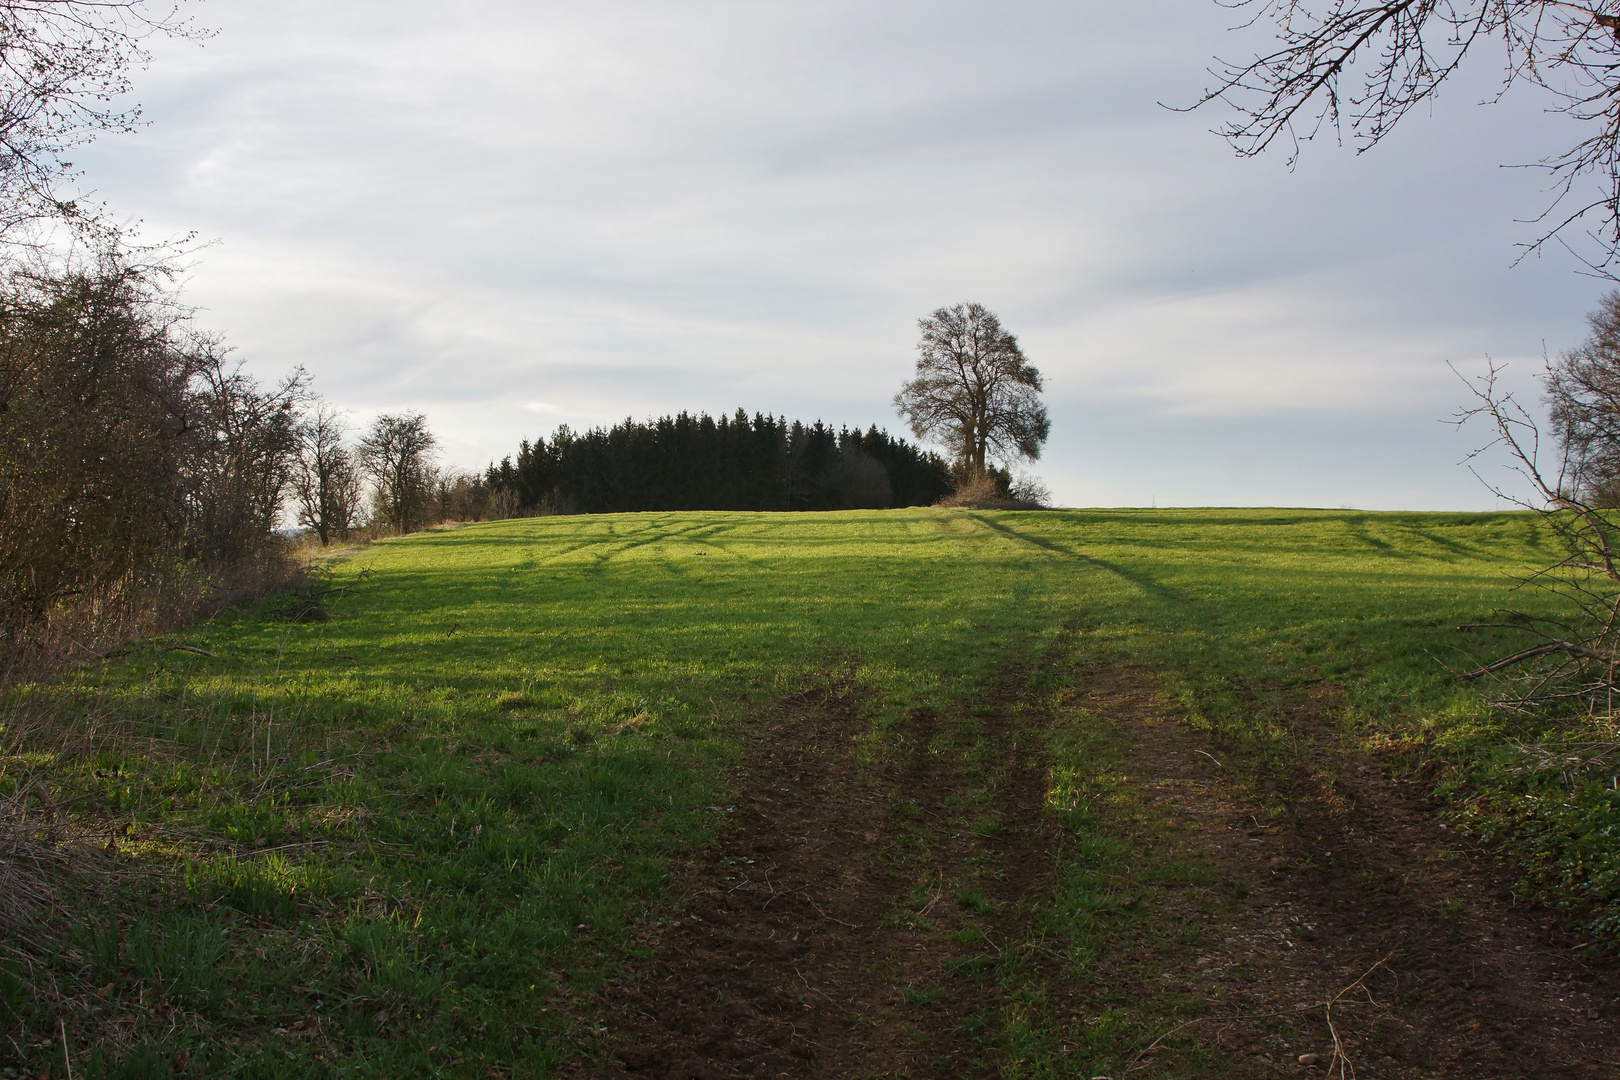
pixel 628 208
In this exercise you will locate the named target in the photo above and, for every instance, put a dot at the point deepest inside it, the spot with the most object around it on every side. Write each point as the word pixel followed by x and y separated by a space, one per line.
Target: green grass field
pixel 383 841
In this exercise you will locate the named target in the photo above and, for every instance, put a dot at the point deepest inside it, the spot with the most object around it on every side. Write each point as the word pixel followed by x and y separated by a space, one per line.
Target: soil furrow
pixel 841 922
pixel 1324 874
pixel 856 914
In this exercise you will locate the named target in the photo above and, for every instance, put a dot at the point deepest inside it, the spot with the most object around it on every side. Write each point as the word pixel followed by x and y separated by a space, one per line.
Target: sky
pixel 515 215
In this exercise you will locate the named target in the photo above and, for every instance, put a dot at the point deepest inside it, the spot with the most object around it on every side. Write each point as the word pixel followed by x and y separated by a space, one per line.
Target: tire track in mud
pixel 1322 873
pixel 843 921
pixel 854 915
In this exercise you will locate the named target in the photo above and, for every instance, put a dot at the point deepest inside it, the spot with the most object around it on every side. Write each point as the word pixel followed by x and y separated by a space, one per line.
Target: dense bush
pixel 139 467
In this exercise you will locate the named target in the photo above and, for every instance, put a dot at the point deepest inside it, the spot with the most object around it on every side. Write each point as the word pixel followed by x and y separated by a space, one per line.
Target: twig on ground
pixel 1046 951
pixel 192 649
pixel 810 988
pixel 1339 1057
pixel 775 892
pixel 829 918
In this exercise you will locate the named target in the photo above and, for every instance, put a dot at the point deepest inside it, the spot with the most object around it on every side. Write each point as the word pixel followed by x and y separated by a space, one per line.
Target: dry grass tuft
pixel 982 492
pixel 96 625
pixel 27 866
pixel 49 862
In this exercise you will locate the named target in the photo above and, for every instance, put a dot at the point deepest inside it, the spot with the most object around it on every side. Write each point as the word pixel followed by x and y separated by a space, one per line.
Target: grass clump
pixel 1553 801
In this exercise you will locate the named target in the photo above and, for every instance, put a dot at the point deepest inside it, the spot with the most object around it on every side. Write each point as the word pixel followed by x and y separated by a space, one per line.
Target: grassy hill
pixel 400 827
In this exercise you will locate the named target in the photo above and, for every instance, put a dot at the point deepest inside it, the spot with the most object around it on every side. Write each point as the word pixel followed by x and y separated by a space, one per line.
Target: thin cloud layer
pixel 512 216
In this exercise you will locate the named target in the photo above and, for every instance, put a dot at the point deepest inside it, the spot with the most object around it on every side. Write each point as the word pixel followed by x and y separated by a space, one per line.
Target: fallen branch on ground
pixel 1568 648
pixel 192 649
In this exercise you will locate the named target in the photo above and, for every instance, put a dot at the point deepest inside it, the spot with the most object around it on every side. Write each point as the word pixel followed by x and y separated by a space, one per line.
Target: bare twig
pixel 192 649
pixel 1326 1005
pixel 829 918
pixel 1575 658
pixel 1356 68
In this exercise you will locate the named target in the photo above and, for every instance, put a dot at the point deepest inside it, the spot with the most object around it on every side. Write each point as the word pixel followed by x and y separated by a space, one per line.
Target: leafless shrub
pixel 92 421
pixel 987 491
pixel 504 503
pixel 1029 489
pixel 1570 661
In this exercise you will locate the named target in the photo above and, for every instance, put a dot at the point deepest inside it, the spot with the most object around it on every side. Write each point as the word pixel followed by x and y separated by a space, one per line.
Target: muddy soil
pixel 1356 874
pixel 840 923
pixel 840 918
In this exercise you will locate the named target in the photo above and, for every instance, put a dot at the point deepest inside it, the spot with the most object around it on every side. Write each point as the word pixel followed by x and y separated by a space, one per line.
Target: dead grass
pixel 983 493
pixel 95 625
pixel 50 863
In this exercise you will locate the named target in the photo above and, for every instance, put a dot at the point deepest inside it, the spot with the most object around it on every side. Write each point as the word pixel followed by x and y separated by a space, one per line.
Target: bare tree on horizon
pixel 974 390
pixel 326 480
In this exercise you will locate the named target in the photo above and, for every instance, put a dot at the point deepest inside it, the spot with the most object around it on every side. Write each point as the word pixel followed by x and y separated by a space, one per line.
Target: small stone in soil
pixel 1310 1059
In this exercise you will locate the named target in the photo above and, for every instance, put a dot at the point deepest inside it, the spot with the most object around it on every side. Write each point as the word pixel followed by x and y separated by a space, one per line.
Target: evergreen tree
pixel 735 462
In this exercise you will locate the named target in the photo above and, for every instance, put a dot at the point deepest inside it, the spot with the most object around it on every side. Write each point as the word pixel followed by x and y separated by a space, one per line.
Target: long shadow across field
pixel 1149 585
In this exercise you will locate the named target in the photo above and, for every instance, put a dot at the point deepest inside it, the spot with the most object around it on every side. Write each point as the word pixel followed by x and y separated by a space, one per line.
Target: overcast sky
pixel 516 215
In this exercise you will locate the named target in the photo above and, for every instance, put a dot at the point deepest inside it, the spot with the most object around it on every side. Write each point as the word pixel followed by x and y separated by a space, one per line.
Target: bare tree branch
pixel 1572 490
pixel 974 390
pixel 1358 67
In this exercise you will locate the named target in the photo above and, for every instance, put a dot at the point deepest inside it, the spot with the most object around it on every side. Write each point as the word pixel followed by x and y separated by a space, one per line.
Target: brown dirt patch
pixel 837 925
pixel 1321 873
pixel 857 913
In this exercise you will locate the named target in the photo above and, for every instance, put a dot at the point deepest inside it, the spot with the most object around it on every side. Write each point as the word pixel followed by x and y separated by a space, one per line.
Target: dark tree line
pixel 144 473
pixel 687 462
